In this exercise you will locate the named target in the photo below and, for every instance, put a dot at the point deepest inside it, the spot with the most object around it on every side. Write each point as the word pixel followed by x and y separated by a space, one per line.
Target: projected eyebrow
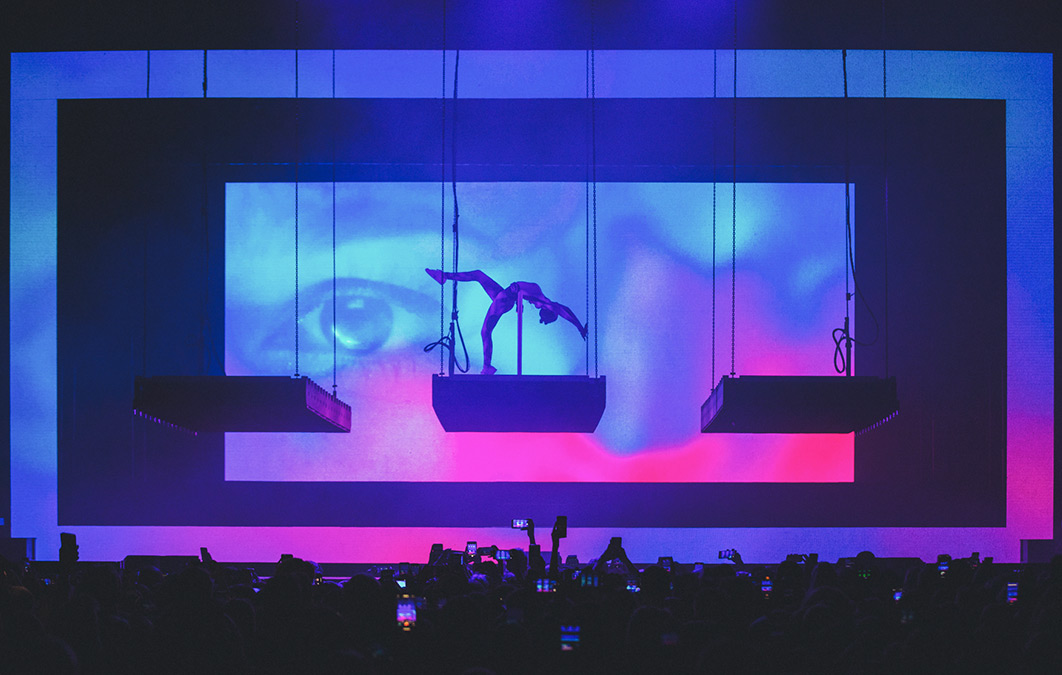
pixel 373 318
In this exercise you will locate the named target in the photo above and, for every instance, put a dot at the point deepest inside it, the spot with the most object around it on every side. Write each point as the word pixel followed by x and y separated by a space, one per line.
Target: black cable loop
pixel 449 341
pixel 843 341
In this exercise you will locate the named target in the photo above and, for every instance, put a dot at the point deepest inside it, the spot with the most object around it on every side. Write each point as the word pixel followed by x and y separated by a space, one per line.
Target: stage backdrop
pixel 173 253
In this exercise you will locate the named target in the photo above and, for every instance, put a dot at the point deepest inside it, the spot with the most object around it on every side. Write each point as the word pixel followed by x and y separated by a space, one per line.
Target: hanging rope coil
pixel 450 340
pixel 842 337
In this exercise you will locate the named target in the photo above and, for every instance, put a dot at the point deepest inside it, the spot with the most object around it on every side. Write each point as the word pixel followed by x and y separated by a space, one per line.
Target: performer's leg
pixel 490 286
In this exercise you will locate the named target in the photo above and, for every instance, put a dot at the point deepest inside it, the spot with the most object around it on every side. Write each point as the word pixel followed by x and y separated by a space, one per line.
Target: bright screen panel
pixel 656 316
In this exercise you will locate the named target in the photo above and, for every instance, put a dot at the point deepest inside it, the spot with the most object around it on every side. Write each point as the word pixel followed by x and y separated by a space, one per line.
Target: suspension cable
pixel 715 93
pixel 593 146
pixel 296 188
pixel 885 174
pixel 733 215
pixel 442 197
pixel 586 344
pixel 335 328
pixel 206 230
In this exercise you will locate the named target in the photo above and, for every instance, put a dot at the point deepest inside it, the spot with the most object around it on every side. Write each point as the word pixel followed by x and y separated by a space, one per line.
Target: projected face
pixel 654 299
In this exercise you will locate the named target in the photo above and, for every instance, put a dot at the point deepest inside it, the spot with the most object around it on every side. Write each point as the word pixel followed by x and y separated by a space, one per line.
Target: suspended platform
pixel 240 403
pixel 518 403
pixel 785 404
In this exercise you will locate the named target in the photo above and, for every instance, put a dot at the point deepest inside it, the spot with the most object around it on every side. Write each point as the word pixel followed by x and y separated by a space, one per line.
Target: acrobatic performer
pixel 503 300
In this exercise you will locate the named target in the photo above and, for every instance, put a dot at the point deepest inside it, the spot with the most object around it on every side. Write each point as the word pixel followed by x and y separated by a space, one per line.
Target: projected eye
pixel 372 318
pixel 369 316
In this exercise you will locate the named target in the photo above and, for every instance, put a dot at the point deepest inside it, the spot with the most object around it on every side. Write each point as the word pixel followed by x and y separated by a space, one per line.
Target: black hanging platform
pixel 786 404
pixel 513 403
pixel 240 403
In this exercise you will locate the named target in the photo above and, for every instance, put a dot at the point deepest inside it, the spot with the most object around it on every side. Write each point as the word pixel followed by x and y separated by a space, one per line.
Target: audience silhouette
pixel 488 614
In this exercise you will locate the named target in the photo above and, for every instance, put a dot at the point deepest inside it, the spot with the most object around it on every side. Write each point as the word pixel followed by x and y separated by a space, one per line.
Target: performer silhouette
pixel 503 300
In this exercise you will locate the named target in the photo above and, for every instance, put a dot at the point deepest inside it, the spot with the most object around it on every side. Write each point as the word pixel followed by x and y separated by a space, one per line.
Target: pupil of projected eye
pixel 362 324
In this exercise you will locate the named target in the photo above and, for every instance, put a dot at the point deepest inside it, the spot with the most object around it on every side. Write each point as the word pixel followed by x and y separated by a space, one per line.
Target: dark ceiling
pixel 981 25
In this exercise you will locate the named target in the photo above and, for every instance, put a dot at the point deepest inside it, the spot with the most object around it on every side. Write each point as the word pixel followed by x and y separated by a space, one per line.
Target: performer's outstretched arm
pixel 563 312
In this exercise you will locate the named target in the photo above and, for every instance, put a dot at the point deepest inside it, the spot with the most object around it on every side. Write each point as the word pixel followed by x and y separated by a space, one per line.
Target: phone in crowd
pixel 942 567
pixel 897 594
pixel 503 554
pixel 471 548
pixel 406 612
pixel 520 523
pixel 569 638
pixel 665 561
pixel 726 554
pixel 766 587
pixel 545 585
pixel 562 527
pixel 1012 592
pixel 67 547
pixel 588 580
pixel 633 587
pixel 401 583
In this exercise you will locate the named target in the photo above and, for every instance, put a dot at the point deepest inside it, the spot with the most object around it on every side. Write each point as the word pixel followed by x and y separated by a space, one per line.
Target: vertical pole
pixel 520 333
